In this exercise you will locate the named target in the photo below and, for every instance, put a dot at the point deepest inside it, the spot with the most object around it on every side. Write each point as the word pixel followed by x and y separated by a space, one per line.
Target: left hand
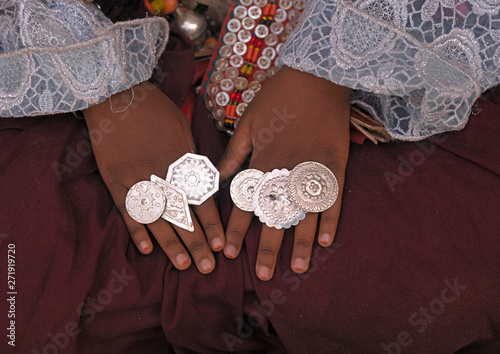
pixel 295 117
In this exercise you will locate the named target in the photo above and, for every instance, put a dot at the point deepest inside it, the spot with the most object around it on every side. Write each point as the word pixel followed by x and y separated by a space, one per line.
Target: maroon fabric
pixel 414 267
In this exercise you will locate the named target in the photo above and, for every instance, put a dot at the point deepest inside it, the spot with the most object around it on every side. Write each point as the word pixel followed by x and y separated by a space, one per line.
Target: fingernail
pixel 230 251
pixel 324 239
pixel 299 265
pixel 181 259
pixel 217 244
pixel 264 273
pixel 206 265
pixel 144 246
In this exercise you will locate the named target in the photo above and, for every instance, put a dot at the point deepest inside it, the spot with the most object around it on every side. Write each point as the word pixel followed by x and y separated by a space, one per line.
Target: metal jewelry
pixel 243 187
pixel 177 208
pixel 272 204
pixel 196 176
pixel 313 187
pixel 145 202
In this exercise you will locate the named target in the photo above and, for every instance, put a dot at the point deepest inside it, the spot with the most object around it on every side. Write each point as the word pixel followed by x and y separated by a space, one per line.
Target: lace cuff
pixel 416 66
pixel 63 55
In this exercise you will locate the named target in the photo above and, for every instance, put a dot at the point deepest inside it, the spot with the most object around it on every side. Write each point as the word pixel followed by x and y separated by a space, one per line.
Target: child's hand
pixel 295 117
pixel 142 140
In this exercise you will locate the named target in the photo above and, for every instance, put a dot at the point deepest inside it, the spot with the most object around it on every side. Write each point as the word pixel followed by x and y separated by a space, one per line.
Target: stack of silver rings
pixel 190 180
pixel 282 198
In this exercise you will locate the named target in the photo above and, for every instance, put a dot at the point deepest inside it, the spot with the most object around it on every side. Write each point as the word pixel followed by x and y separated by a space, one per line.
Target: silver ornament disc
pixel 272 204
pixel 196 176
pixel 313 187
pixel 243 187
pixel 145 202
pixel 177 208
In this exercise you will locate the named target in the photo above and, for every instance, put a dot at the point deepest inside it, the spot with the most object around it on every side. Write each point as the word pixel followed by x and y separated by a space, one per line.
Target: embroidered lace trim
pixel 417 66
pixel 60 56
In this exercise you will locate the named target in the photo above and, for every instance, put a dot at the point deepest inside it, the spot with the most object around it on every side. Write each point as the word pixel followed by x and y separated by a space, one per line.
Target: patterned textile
pixel 60 56
pixel 417 66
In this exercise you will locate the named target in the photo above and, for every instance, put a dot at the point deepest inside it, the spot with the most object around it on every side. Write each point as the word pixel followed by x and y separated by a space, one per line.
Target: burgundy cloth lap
pixel 414 268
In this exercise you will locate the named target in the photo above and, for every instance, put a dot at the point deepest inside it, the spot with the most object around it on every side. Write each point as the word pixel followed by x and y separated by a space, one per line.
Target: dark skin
pixel 295 117
pixel 144 136
pixel 284 126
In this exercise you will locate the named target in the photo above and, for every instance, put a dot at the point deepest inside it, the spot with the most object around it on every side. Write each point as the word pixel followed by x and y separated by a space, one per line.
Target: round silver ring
pixel 145 202
pixel 313 187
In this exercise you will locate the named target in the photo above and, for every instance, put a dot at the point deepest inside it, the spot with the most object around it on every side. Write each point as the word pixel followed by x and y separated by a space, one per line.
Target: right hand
pixel 142 140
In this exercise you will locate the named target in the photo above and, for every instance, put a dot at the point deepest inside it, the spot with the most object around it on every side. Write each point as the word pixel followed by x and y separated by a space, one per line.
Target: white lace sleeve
pixel 63 55
pixel 417 66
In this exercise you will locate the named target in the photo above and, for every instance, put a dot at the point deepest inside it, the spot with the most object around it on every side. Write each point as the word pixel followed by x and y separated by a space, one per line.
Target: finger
pixel 328 224
pixel 237 227
pixel 303 242
pixel 137 231
pixel 236 152
pixel 170 244
pixel 210 221
pixel 329 218
pixel 269 245
pixel 197 246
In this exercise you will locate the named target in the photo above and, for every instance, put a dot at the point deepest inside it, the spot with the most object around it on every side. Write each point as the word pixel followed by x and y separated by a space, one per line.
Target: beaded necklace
pixel 255 32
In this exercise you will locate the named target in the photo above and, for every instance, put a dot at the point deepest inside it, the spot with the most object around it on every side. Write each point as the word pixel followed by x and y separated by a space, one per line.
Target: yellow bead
pixel 157 5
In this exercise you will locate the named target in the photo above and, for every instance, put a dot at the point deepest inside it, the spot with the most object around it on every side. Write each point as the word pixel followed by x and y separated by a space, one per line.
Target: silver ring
pixel 243 187
pixel 313 187
pixel 177 208
pixel 196 176
pixel 145 202
pixel 272 204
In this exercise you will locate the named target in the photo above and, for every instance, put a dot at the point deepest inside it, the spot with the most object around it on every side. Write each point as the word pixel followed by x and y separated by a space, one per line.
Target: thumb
pixel 237 150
